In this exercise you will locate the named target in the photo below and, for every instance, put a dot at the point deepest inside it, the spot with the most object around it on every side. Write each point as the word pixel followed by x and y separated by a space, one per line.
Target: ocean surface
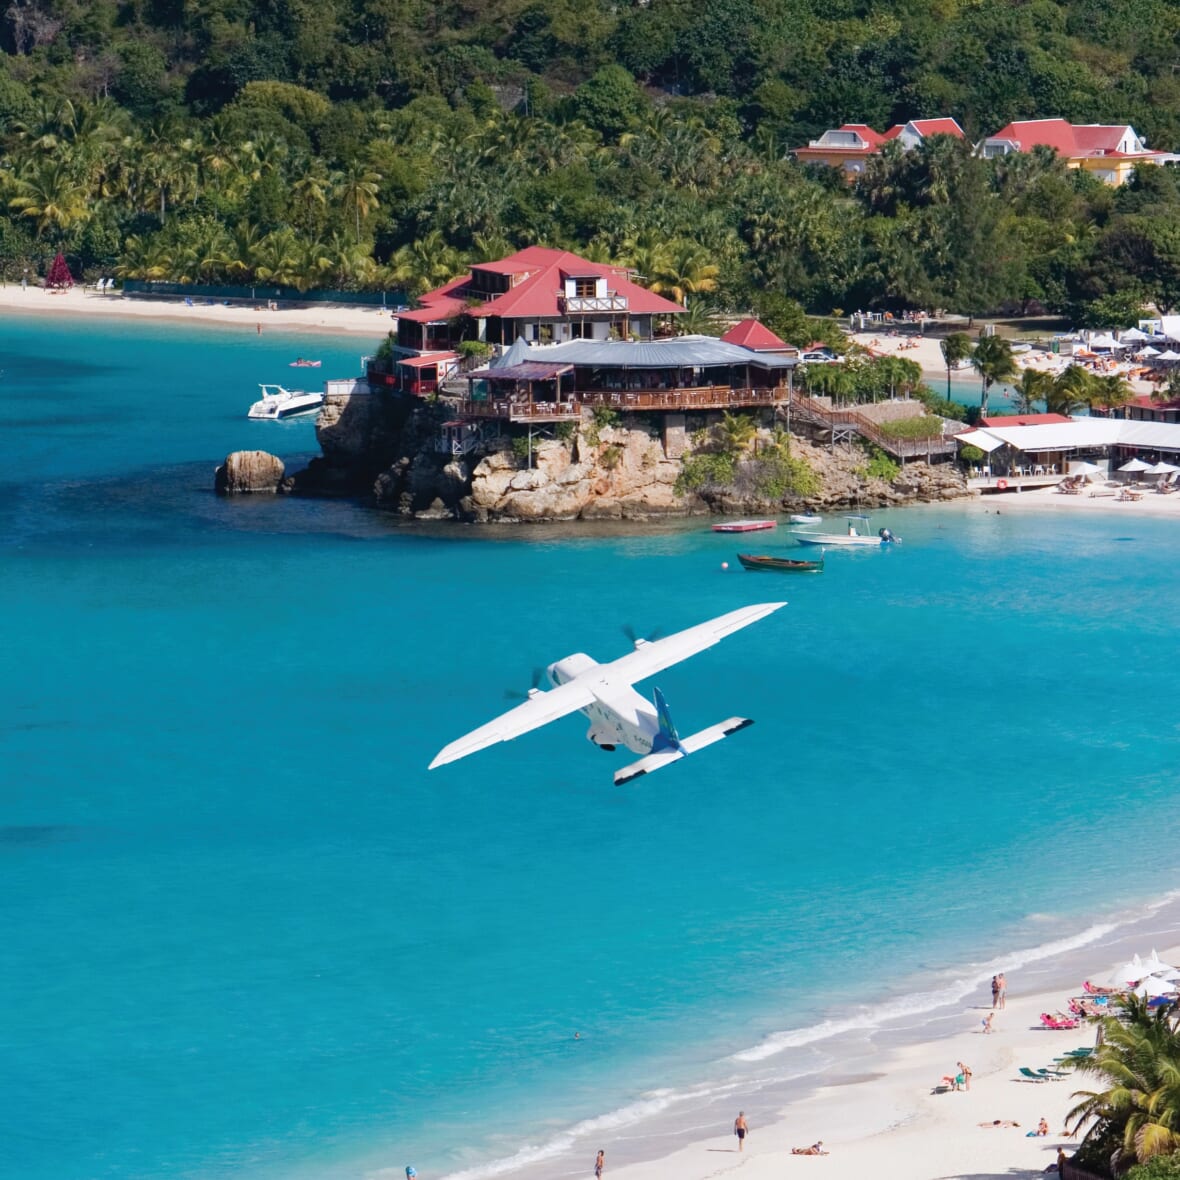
pixel 247 935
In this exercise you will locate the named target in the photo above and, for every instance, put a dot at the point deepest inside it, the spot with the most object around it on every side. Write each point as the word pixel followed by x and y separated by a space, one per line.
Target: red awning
pixel 420 362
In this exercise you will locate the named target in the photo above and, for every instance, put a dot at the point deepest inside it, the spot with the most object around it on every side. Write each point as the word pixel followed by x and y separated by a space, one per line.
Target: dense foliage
pixel 368 143
pixel 1133 1114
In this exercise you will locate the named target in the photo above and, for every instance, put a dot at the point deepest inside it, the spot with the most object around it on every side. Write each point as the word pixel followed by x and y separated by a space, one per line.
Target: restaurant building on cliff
pixel 539 295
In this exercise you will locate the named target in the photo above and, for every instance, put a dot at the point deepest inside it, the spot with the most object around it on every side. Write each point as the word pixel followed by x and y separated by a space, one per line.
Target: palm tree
pixel 736 431
pixel 685 270
pixel 1138 1061
pixel 992 360
pixel 1032 387
pixel 1070 390
pixel 357 192
pixel 955 348
pixel 52 196
pixel 1111 392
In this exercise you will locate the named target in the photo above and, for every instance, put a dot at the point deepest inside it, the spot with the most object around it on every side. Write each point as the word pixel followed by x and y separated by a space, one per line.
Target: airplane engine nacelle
pixel 566 669
pixel 603 740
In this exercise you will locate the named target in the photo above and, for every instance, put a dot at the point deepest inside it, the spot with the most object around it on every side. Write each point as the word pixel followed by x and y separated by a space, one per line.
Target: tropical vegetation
pixel 1132 1116
pixel 367 144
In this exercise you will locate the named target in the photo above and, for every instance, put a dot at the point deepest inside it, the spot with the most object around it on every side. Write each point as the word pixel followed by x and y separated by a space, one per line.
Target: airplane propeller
pixel 514 694
pixel 639 640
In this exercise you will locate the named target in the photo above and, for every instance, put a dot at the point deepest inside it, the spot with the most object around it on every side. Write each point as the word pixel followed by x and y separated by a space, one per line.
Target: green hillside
pixel 384 143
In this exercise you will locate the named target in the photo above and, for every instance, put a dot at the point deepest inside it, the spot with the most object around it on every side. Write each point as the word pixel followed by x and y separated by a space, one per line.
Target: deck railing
pixel 705 397
pixel 832 417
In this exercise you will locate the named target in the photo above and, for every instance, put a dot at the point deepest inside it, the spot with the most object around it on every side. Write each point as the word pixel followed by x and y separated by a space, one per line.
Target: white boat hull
pixel 284 403
pixel 806 518
pixel 837 539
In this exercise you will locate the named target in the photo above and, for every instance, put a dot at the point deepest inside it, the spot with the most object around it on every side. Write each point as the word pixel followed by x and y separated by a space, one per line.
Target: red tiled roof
pixel 431 358
pixel 1069 139
pixel 438 309
pixel 1024 420
pixel 754 335
pixel 926 127
pixel 538 292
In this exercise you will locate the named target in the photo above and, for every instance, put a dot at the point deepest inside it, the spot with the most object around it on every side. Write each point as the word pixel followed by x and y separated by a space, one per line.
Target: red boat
pixel 744 526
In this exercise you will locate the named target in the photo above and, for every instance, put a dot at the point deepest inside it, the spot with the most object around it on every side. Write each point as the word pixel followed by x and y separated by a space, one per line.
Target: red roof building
pixel 1110 151
pixel 1024 419
pixel 541 295
pixel 848 146
pixel 756 336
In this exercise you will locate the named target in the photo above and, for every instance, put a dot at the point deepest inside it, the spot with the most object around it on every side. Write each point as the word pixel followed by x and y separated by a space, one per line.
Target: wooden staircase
pixel 843 424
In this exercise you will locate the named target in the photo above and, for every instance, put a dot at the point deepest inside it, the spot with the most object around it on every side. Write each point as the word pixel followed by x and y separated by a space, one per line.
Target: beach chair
pixel 1052 1075
pixel 1030 1075
pixel 188 302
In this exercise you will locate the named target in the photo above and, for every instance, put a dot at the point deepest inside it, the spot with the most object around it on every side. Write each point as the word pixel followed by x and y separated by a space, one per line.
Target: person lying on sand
pixel 1001 1123
pixel 817 1148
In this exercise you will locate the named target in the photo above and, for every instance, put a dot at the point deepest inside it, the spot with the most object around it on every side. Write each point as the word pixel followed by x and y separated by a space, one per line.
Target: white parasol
pixel 1160 468
pixel 1134 465
pixel 1155 987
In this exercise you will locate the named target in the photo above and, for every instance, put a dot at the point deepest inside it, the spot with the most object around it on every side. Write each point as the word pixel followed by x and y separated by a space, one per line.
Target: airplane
pixel 618 715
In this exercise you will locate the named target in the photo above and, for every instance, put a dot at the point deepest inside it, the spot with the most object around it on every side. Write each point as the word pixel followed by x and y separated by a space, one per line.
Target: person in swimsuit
pixel 1003 982
pixel 740 1127
pixel 817 1148
pixel 995 991
pixel 599 1165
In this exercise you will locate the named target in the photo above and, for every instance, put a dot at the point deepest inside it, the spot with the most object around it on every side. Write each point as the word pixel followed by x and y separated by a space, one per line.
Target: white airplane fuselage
pixel 619 716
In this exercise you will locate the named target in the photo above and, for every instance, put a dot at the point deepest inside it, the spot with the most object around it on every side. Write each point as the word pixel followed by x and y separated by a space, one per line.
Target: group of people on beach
pixel 999 990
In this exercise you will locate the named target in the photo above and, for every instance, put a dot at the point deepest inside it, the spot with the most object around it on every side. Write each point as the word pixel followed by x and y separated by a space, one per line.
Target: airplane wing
pixel 532 714
pixel 650 658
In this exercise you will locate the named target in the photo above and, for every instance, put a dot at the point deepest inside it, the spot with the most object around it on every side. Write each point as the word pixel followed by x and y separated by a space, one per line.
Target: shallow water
pixel 252 937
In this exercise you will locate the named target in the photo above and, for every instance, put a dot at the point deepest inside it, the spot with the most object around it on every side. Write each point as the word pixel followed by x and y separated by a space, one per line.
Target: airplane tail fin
pixel 661 757
pixel 667 738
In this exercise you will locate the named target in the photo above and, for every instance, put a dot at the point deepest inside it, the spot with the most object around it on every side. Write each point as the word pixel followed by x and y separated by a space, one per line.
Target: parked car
pixel 819 356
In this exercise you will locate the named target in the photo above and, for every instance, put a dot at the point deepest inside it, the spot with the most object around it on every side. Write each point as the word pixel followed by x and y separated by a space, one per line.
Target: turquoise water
pixel 248 935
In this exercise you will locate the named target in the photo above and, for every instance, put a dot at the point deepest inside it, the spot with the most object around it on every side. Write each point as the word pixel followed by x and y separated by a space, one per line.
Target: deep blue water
pixel 247 934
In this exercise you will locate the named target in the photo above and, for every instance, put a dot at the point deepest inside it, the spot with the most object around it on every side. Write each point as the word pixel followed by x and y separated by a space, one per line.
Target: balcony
pixel 708 397
pixel 578 304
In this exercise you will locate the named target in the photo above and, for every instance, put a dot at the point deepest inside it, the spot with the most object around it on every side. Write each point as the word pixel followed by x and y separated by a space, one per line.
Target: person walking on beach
pixel 740 1129
pixel 995 991
pixel 599 1165
pixel 1000 979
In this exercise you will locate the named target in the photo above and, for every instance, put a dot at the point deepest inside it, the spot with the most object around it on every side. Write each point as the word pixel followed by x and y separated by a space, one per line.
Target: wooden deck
pixel 709 397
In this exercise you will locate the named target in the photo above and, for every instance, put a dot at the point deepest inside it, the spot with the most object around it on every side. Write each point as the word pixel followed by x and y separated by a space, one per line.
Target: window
pixel 585 288
pixel 582 330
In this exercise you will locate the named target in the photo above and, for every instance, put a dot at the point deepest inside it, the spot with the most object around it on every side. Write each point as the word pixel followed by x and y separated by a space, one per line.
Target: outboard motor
pixel 885 535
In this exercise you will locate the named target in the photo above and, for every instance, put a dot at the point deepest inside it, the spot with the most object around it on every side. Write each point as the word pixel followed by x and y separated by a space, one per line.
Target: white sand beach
pixel 903 1124
pixel 1096 498
pixel 359 321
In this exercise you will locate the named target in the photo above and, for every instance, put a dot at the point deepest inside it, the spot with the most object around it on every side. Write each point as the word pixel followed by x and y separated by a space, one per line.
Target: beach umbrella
pixel 1154 987
pixel 1169 356
pixel 1130 972
pixel 1103 342
pixel 1134 465
pixel 1160 468
pixel 1157 967
pixel 1148 351
pixel 1084 467
pixel 1134 334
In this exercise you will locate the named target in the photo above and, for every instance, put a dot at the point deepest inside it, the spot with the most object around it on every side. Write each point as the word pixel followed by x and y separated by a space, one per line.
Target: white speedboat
pixel 277 402
pixel 806 518
pixel 859 534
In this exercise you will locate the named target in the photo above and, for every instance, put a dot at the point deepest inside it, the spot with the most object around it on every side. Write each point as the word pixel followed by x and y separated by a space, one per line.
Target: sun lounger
pixel 1052 1074
pixel 1030 1075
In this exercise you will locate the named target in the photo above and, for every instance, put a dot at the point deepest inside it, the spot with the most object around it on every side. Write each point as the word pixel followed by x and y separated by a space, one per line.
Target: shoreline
pixel 79 303
pixel 878 1107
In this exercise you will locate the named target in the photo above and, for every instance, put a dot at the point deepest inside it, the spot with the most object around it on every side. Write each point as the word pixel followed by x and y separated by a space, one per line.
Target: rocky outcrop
pixel 250 471
pixel 390 447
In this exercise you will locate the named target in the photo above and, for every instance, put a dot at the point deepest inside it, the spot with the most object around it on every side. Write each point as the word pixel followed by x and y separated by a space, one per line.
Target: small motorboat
pixel 854 536
pixel 303 363
pixel 277 402
pixel 744 526
pixel 783 565
pixel 806 518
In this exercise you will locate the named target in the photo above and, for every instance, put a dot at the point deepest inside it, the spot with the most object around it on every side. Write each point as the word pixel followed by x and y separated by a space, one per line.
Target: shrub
pixel 522 448
pixel 880 466
pixel 612 457
pixel 565 431
pixel 704 470
pixel 473 349
pixel 604 416
pixel 913 428
pixel 1159 1167
pixel 781 475
pixel 970 454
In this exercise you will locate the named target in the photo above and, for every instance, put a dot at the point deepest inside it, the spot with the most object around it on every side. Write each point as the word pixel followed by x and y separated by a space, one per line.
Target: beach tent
pixel 1148 351
pixel 1133 334
pixel 1155 987
pixel 1103 342
pixel 1134 465
pixel 1130 972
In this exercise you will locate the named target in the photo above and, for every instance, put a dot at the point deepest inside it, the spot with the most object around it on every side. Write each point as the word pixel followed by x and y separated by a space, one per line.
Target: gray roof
pixel 679 352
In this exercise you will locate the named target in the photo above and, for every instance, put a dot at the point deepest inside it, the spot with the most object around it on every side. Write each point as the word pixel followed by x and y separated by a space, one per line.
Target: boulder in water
pixel 249 471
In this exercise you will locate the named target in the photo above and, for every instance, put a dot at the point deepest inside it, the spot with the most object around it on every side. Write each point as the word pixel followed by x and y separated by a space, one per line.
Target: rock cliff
pixel 400 451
